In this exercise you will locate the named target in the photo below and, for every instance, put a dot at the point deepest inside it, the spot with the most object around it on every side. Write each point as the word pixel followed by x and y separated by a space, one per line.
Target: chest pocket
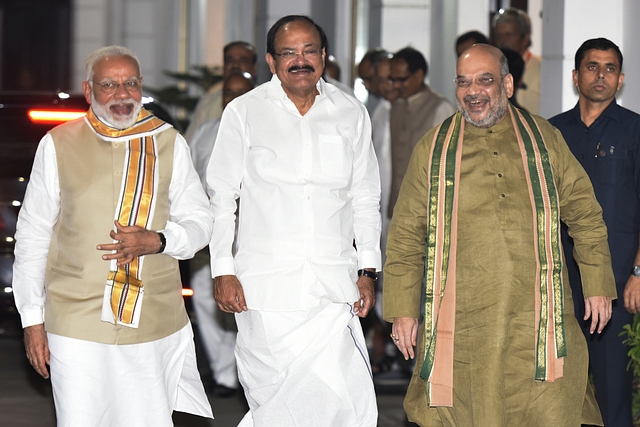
pixel 335 156
pixel 615 168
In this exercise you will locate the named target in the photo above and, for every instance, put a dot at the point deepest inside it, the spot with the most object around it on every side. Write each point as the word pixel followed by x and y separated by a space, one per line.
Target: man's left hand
pixel 132 242
pixel 366 285
pixel 599 309
pixel 632 295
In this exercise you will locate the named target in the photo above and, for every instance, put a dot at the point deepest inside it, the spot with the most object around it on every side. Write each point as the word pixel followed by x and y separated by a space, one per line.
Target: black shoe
pixel 224 391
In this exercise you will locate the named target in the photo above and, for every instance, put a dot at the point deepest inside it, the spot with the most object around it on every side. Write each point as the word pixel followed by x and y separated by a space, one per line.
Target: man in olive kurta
pixel 495 267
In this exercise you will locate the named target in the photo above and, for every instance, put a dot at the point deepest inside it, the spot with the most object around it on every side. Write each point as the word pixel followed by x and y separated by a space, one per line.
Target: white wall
pixel 566 25
pixel 406 23
pixel 149 27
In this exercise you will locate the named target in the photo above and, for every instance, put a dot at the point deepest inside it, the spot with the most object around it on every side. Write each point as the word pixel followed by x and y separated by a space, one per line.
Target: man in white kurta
pixel 217 329
pixel 99 293
pixel 297 152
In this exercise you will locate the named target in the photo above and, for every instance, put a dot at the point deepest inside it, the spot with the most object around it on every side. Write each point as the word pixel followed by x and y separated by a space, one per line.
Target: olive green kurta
pixel 494 364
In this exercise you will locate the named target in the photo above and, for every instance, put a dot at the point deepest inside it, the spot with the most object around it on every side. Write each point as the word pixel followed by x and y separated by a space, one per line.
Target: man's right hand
pixel 229 295
pixel 37 348
pixel 404 333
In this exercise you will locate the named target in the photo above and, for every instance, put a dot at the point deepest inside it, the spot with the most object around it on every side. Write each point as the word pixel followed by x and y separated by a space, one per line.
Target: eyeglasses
pixel 290 54
pixel 484 82
pixel 393 80
pixel 109 86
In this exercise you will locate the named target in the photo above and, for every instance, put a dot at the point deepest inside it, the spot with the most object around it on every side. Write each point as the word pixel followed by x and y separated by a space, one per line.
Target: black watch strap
pixel 163 243
pixel 370 274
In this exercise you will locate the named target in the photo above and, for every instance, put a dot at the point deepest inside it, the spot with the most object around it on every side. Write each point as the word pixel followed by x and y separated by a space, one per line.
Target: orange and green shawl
pixel 124 290
pixel 440 266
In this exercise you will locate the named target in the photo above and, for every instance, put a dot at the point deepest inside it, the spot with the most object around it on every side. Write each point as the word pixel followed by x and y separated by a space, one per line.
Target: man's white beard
pixel 119 122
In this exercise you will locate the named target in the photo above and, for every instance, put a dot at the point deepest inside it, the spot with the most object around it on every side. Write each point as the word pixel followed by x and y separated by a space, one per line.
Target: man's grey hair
pixel 515 16
pixel 117 51
pixel 504 65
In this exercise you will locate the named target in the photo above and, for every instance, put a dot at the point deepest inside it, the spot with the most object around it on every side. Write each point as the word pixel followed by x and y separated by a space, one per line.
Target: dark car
pixel 24 119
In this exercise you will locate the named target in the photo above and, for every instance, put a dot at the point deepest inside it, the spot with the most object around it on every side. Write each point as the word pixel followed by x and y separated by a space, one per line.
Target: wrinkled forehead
pixel 116 67
pixel 295 33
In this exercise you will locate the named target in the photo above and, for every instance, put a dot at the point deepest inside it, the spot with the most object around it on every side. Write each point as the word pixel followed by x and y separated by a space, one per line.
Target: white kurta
pixel 147 380
pixel 308 187
pixel 218 339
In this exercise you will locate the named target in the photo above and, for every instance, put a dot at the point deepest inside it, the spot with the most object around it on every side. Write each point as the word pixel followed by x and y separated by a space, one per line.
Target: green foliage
pixel 633 341
pixel 180 95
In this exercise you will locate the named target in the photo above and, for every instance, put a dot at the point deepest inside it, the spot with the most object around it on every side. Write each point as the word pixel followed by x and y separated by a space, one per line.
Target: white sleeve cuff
pixel 369 259
pixel 32 317
pixel 222 267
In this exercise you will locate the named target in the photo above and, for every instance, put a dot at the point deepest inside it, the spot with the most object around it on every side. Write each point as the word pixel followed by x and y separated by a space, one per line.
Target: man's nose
pixel 121 91
pixel 474 87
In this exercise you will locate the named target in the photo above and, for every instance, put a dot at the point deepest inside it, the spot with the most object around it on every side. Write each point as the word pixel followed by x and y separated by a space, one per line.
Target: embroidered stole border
pixel 439 322
pixel 146 123
pixel 440 266
pixel 135 207
pixel 551 345
pixel 124 291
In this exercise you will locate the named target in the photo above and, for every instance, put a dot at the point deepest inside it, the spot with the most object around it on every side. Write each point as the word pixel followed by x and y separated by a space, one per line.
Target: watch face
pixel 636 270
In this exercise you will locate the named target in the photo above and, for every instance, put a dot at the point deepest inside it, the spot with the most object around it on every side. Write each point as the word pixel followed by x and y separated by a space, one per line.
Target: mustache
pixel 469 98
pixel 301 67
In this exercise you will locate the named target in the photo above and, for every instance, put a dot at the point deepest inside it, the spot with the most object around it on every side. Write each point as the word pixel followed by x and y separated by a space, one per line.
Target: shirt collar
pixel 611 112
pixel 275 91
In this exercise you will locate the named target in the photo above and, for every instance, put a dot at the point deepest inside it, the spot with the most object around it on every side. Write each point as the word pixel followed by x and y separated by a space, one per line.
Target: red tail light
pixel 54 116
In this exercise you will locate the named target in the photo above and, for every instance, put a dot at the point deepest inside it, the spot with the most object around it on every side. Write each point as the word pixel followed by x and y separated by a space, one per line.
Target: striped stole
pixel 124 290
pixel 444 166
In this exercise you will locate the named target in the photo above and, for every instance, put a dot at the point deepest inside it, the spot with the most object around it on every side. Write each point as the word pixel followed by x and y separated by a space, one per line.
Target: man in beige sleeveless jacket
pixel 113 202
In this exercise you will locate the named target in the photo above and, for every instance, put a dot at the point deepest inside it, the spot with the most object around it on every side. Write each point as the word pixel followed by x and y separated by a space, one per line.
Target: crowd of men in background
pixel 403 108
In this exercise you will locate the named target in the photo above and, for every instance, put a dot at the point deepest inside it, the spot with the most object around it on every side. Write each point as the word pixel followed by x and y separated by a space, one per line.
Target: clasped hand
pixel 132 242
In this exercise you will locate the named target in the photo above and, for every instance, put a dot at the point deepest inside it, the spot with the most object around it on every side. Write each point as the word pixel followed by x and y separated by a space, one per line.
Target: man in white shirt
pixel 511 28
pixel 239 57
pixel 112 203
pixel 297 152
pixel 217 329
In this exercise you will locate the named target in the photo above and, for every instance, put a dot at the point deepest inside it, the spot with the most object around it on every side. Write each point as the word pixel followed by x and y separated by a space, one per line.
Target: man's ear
pixel 86 90
pixel 620 81
pixel 272 63
pixel 508 85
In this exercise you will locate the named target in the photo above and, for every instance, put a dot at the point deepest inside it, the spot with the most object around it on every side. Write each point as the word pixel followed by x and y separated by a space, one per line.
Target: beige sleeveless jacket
pixel 90 174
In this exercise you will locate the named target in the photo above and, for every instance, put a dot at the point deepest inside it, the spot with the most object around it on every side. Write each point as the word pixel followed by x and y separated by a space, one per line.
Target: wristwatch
pixel 163 243
pixel 636 271
pixel 373 275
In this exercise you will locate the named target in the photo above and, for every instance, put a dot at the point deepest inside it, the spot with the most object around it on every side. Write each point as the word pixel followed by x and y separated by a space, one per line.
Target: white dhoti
pixel 98 384
pixel 305 368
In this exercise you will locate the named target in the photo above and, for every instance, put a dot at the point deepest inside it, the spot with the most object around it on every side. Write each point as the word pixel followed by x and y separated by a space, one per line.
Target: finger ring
pixel 392 336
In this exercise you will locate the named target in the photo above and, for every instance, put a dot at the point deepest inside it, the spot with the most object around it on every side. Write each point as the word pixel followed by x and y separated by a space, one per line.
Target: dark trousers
pixel 608 361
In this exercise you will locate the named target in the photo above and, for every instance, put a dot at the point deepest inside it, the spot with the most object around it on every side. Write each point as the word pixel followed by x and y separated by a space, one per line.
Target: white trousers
pixel 134 385
pixel 218 342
